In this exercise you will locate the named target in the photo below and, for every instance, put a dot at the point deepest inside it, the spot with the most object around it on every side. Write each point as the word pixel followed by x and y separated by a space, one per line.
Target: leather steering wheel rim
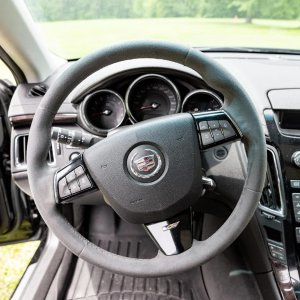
pixel 237 105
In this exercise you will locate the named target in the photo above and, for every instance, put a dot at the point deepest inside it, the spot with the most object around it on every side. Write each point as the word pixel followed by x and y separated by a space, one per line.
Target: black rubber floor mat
pixel 90 282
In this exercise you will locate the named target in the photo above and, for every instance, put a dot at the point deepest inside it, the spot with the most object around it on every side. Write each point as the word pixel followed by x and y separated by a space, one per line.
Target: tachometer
pixel 201 101
pixel 103 111
pixel 151 96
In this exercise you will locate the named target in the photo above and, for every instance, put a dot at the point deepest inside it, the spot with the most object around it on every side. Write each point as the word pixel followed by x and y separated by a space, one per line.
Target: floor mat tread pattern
pixel 90 282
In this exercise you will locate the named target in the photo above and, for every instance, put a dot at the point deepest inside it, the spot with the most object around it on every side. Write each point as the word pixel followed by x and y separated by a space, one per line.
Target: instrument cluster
pixel 148 96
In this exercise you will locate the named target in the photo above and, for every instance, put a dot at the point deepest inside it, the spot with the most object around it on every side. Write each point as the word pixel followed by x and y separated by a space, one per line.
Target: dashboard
pixel 131 92
pixel 142 97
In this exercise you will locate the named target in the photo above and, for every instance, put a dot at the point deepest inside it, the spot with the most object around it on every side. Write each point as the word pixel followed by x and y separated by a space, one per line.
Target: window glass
pixel 73 28
pixel 5 73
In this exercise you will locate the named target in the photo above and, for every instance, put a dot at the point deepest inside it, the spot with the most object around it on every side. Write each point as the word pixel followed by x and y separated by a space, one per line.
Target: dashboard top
pixel 257 73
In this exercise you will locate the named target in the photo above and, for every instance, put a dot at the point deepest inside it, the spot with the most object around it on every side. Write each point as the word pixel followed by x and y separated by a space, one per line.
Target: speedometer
pixel 151 96
pixel 201 101
pixel 103 111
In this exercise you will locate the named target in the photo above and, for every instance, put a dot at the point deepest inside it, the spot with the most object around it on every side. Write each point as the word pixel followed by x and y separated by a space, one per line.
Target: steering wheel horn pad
pixel 176 189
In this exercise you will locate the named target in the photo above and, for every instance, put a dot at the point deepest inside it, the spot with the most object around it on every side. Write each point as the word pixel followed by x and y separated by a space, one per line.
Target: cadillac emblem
pixel 145 163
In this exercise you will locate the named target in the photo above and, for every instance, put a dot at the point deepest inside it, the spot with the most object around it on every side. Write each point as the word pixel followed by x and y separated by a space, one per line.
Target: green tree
pixel 218 9
pixel 249 7
pixel 45 10
pixel 269 9
pixel 282 9
pixel 144 9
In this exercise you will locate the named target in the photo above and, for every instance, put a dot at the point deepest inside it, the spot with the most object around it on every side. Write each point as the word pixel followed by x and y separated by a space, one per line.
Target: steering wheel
pixel 149 173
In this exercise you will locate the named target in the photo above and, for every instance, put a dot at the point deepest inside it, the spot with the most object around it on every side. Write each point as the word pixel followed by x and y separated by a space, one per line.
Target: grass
pixel 14 260
pixel 73 39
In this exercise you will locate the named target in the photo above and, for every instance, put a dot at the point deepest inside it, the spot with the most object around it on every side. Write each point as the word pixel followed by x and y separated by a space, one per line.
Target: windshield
pixel 73 28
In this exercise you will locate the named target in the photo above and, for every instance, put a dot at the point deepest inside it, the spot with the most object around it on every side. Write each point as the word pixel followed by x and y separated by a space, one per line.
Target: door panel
pixel 19 219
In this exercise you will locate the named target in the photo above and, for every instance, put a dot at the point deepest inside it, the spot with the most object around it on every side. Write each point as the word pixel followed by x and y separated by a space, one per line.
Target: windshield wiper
pixel 249 50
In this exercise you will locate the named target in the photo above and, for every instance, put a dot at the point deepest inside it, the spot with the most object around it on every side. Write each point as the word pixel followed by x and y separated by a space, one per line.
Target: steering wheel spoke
pixel 216 128
pixel 72 181
pixel 173 236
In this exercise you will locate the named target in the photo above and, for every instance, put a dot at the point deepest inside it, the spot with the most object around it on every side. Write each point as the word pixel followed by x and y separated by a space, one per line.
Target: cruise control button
pixel 203 125
pixel 206 138
pixel 213 124
pixel 227 129
pixel 224 124
pixel 63 189
pixel 74 187
pixel 228 133
pixel 84 182
pixel 79 171
pixel 217 134
pixel 71 177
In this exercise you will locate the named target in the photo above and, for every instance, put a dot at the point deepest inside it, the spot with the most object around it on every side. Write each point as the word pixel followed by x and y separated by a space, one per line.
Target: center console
pixel 279 208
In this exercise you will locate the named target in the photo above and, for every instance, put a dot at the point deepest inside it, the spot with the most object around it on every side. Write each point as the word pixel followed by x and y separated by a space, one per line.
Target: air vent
pixel 272 200
pixel 21 143
pixel 38 90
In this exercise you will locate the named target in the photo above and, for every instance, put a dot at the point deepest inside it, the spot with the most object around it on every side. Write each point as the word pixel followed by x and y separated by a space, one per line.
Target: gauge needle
pixel 152 106
pixel 106 112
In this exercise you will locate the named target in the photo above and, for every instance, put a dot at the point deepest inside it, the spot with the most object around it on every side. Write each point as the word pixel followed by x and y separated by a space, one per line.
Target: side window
pixel 6 74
